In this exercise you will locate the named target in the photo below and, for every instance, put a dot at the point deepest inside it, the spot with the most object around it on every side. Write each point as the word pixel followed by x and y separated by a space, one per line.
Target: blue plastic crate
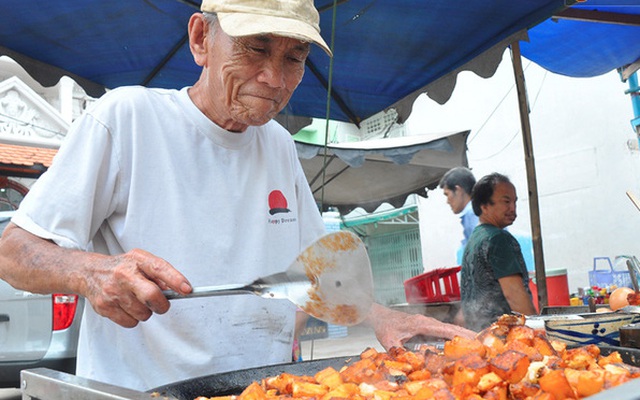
pixel 604 274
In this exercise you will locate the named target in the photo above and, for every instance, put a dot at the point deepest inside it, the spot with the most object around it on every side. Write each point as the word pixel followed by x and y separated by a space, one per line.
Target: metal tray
pixel 48 384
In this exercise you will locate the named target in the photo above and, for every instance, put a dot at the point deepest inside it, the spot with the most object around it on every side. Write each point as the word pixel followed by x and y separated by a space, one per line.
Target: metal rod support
pixel 534 210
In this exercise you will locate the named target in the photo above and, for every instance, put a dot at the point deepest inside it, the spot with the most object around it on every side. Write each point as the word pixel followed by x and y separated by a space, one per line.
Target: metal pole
pixel 634 92
pixel 536 231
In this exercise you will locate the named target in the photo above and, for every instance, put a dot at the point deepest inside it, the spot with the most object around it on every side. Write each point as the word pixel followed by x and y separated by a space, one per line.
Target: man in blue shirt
pixel 457 185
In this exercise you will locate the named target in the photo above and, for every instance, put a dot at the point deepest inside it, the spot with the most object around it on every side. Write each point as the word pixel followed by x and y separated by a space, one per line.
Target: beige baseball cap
pixel 297 19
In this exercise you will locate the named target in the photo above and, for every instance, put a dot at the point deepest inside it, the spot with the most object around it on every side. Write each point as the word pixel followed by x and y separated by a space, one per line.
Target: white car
pixel 36 330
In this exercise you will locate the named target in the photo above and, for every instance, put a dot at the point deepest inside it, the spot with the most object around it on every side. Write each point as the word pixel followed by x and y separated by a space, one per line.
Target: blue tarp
pixel 586 48
pixel 385 50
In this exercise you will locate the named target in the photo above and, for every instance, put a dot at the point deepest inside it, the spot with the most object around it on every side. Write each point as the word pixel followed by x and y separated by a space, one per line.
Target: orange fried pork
pixel 508 360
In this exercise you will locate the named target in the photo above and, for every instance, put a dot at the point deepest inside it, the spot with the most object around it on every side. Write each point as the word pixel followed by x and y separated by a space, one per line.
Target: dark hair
pixel 483 190
pixel 458 176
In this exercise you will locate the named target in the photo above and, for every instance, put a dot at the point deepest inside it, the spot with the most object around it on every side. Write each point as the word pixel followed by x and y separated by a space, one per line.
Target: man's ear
pixel 198 29
pixel 483 208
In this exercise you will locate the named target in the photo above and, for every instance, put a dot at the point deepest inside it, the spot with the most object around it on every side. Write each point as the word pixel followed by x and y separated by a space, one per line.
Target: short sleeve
pixel 72 199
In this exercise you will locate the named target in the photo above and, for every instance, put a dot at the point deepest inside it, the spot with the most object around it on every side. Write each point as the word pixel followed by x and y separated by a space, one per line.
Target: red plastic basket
pixel 437 286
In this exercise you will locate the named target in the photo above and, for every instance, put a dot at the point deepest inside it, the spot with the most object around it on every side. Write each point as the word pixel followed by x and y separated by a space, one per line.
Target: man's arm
pixel 125 288
pixel 517 297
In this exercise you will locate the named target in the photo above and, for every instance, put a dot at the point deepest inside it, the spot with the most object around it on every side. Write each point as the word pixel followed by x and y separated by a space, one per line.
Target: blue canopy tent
pixel 384 49
pixel 591 39
pixel 387 52
pixel 588 39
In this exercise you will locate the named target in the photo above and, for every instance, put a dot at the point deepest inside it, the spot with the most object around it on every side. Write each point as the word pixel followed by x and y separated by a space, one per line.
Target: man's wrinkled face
pixel 455 198
pixel 255 76
pixel 501 211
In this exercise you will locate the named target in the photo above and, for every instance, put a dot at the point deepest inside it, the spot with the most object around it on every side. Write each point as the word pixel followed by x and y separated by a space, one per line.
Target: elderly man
pixel 494 278
pixel 169 189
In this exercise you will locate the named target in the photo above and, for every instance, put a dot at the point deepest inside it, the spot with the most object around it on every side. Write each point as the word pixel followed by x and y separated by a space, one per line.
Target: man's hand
pixel 126 288
pixel 394 328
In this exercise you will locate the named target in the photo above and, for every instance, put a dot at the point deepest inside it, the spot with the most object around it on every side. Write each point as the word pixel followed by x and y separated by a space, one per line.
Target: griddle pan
pixel 235 382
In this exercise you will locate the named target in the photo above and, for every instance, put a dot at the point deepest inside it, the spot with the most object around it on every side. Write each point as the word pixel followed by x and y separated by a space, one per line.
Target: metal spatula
pixel 330 280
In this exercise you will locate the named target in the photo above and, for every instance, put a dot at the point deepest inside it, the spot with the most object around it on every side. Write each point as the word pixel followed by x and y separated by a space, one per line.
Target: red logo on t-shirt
pixel 277 203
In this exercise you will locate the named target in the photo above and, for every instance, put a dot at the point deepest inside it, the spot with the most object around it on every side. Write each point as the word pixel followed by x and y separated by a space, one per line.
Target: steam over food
pixel 508 360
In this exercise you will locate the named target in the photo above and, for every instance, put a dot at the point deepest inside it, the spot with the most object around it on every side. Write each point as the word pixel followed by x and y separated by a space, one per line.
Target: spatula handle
pixel 209 291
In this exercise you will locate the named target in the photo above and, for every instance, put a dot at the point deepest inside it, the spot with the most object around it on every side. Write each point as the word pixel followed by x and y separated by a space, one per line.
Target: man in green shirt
pixel 494 277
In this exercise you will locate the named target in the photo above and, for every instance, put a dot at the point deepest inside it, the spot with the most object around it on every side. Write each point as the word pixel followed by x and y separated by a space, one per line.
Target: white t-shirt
pixel 146 169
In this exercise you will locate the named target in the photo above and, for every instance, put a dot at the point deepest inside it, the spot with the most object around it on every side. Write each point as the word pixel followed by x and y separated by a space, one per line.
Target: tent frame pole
pixel 534 210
